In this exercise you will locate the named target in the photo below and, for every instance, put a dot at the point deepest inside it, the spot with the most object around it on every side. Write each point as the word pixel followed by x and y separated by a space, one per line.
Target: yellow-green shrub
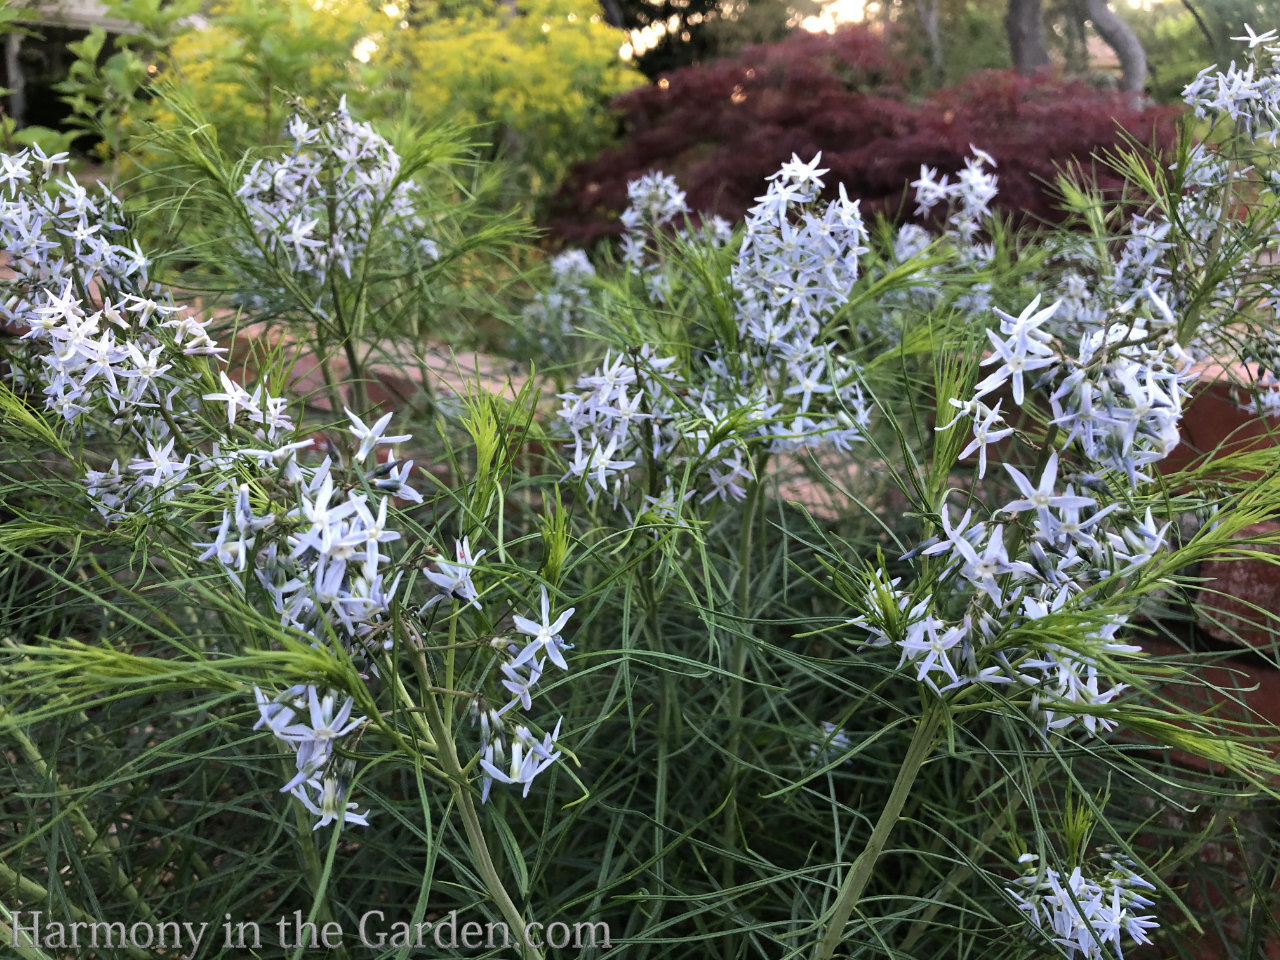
pixel 538 78
pixel 235 69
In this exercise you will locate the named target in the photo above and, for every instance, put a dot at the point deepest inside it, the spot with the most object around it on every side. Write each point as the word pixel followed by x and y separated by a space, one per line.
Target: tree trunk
pixel 927 10
pixel 1118 36
pixel 1024 22
pixel 1077 38
pixel 613 13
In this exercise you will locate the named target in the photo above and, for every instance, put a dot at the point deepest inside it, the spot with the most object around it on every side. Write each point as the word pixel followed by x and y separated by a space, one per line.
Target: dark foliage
pixel 722 127
pixel 698 31
pixel 693 42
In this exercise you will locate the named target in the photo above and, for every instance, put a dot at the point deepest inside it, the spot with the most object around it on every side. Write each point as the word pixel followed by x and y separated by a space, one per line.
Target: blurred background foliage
pixel 234 68
pixel 533 82
pixel 537 82
pixel 572 98
pixel 534 78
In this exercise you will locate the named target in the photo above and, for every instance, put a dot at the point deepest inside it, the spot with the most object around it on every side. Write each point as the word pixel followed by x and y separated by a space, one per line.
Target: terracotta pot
pixel 1214 424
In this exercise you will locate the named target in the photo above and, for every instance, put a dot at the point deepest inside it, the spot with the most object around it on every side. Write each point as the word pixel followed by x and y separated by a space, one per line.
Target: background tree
pixel 684 32
pixel 1181 38
pixel 950 38
pixel 1024 20
pixel 532 79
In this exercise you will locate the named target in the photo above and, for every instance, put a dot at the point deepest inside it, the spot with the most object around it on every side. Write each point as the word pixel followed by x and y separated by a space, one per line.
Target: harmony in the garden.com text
pixel 373 929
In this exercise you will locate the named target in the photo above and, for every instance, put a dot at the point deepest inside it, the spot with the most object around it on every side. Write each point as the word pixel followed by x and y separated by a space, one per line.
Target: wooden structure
pixel 32 63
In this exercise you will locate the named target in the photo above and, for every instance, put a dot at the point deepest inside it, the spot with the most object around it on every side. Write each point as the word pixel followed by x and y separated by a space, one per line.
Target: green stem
pixel 737 667
pixel 481 857
pixel 411 706
pixel 668 725
pixel 668 731
pixel 320 912
pixel 860 871
pixel 331 390
pixel 355 379
pixel 450 653
pixel 1187 325
pixel 447 756
pixel 346 331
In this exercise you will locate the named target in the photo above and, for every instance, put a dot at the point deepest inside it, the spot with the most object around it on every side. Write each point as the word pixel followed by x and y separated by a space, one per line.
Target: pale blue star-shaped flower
pixel 546 636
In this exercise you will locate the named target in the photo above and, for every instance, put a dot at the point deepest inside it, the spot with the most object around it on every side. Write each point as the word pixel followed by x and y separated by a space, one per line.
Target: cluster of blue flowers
pixel 96 343
pixel 966 202
pixel 1116 402
pixel 1109 363
pixel 780 386
pixel 962 210
pixel 564 306
pixel 315 208
pixel 113 355
pixel 1086 915
pixel 1248 95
